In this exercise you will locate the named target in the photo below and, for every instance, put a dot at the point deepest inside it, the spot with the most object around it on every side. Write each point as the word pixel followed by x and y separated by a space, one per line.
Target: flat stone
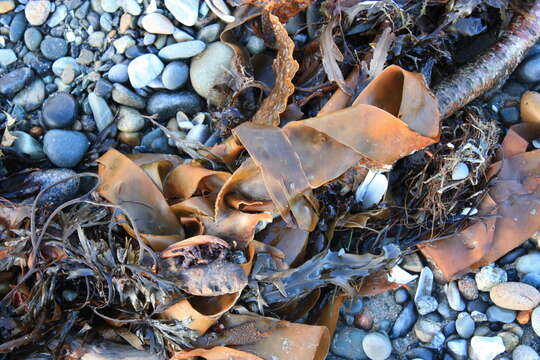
pixel 454 297
pixel 32 38
pixel 16 80
pixel 156 23
pixel 485 347
pixel 175 75
pixel 122 95
pixel 377 346
pixel 7 57
pixel 53 48
pixel 26 144
pixel 129 120
pixel 209 69
pixel 118 73
pixel 65 148
pixel 347 343
pixel 102 113
pixel 143 69
pixel 515 296
pixel 185 11
pixel 6 6
pixel 489 276
pixel 524 352
pixel 497 314
pixel 182 50
pixel 405 321
pixel 17 27
pixel 59 14
pixel 166 105
pixel 31 97
pixel 529 263
pixel 59 111
pixel 465 325
pixel 37 11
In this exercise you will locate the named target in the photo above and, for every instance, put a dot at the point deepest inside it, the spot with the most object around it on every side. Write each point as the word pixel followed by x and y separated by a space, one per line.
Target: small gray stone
pixel 166 105
pixel 59 111
pixel 458 348
pixel 17 27
pixel 122 95
pixel 129 120
pixel 524 352
pixel 485 347
pixel 123 43
pixel 110 6
pixel 412 262
pixel 180 35
pixel 347 343
pixel 445 310
pixel 118 73
pixel 106 22
pixel 510 340
pixel 14 81
pixel 401 295
pixel 185 11
pixel 143 69
pixel 32 38
pixel 102 113
pixel 425 329
pixel 426 304
pixel 31 97
pixel 131 7
pixel 454 297
pixel 377 346
pixel 59 14
pixel 497 314
pixel 529 70
pixel 96 38
pixel 489 276
pixel 53 48
pixel 405 321
pixel 26 144
pixel 209 33
pixel 529 263
pixel 7 57
pixel 175 75
pixel 182 50
pixel 65 148
pixel 465 325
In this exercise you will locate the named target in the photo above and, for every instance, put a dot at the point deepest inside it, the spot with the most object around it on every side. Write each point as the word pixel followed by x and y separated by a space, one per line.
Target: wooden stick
pixel 495 64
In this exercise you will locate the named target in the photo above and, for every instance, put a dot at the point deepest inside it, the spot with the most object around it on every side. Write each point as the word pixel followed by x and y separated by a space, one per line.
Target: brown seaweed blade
pixel 511 210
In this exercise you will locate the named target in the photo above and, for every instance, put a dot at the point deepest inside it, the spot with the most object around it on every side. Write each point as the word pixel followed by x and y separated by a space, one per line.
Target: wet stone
pixel 53 48
pixel 59 111
pixel 166 105
pixel 347 343
pixel 65 148
pixel 14 81
pixel 405 321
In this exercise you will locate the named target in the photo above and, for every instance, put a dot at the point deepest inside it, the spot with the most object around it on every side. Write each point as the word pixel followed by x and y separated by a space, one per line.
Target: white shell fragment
pixel 460 172
pixel 400 276
pixel 372 189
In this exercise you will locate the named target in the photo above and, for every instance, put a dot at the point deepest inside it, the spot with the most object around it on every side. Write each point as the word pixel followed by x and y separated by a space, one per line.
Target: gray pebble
pixel 182 50
pixel 96 38
pixel 14 81
pixel 465 325
pixel 535 321
pixel 59 65
pixel 175 75
pixel 122 95
pixel 200 133
pixel 425 329
pixel 424 284
pixel 255 45
pixel 7 57
pixel 118 73
pixel 129 120
pixel 454 297
pixel 497 314
pixel 529 263
pixel 485 347
pixel 524 352
pixel 59 193
pixel 426 304
pixel 65 148
pixel 509 115
pixel 166 105
pixel 377 346
pixel 17 27
pixel 58 16
pixel 143 69
pixel 529 70
pixel 59 111
pixel 106 22
pixel 209 33
pixel 401 295
pixel 458 348
pixel 103 88
pixel 102 113
pixel 405 321
pixel 489 276
pixel 32 38
pixel 347 343
pixel 532 279
pixel 53 48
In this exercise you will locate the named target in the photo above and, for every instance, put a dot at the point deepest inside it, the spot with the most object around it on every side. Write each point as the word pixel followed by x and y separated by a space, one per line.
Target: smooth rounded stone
pixel 529 70
pixel 103 88
pixel 106 22
pixel 37 11
pixel 200 133
pixel 156 23
pixel 510 340
pixel 14 81
pixel 103 115
pixel 458 348
pixel 425 283
pixel 489 276
pixel 32 96
pixel 405 321
pixel 530 107
pixel 209 33
pixel 131 7
pixel 143 69
pixel 123 96
pixel 509 115
pixel 166 105
pixel 514 88
pixel 96 39
pixel 377 346
pixel 175 75
pixel 467 287
pixel 6 6
pixel 185 11
pixel 59 65
pixel 182 50
pixel 465 325
pixel 7 57
pixel 59 111
pixel 110 6
pixel 535 320
pixel 180 35
pixel 129 120
pixel 401 295
pixel 149 39
pixel 485 347
pixel 532 279
pixel 123 43
pixel 118 73
pixel 53 48
pixel 255 45
pixel 449 328
pixel 425 329
pixel 26 144
pixel 454 297
pixel 209 69
pixel 59 14
pixel 17 27
pixel 32 38
pixel 460 171
pixel 497 314
pixel 524 352
pixel 426 304
pixel 65 148
pixel 529 263
pixel 515 296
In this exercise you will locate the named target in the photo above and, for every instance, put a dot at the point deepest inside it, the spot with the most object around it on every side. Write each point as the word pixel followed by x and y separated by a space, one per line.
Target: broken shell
pixel 460 172
pixel 372 189
pixel 530 107
pixel 400 276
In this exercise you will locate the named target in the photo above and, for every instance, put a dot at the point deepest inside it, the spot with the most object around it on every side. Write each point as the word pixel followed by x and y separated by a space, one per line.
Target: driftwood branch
pixel 490 67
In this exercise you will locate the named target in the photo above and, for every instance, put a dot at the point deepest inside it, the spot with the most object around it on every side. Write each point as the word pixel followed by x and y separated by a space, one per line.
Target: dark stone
pixel 405 321
pixel 53 48
pixel 449 329
pixel 513 88
pixel 166 105
pixel 477 305
pixel 14 81
pixel 510 115
pixel 512 256
pixel 65 148
pixel 495 326
pixel 420 353
pixel 529 70
pixel 60 193
pixel 512 275
pixel 342 343
pixel 59 111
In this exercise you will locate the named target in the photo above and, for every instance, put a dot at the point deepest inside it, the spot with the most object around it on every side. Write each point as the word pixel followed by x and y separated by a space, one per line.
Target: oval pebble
pixel 515 296
pixel 377 346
